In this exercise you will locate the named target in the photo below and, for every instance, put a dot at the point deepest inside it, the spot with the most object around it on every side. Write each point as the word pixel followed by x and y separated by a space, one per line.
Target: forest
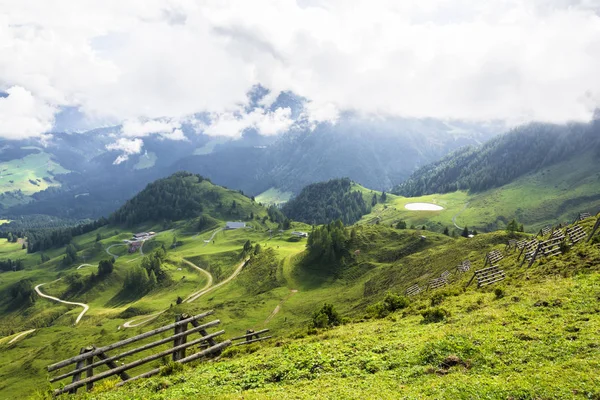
pixel 523 150
pixel 324 202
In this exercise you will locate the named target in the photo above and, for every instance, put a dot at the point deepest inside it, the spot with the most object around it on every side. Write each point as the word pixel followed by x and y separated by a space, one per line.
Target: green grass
pixel 537 339
pixel 33 167
pixel 389 260
pixel 273 196
pixel 556 194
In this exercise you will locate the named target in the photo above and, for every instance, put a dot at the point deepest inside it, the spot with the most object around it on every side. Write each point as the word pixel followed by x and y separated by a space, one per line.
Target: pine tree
pixel 465 232
pixel 152 282
pixel 446 231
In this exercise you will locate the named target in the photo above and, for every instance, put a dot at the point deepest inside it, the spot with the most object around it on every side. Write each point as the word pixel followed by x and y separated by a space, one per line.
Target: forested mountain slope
pixel 181 196
pixel 324 202
pixel 525 150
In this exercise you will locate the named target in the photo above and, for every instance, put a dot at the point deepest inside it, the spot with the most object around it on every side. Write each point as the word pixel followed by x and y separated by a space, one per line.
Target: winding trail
pixel 20 335
pixel 85 265
pixel 213 236
pixel 147 318
pixel 209 282
pixel 194 296
pixel 457 214
pixel 85 306
pixel 276 310
pixel 110 247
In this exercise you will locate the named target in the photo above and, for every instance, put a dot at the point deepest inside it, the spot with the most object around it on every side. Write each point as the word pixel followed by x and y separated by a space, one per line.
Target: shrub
pixel 437 299
pixel 327 316
pixel 499 292
pixel 436 352
pixel 390 303
pixel 432 315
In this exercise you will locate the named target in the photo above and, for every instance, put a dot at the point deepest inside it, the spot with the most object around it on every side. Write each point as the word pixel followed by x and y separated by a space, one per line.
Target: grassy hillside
pixel 282 276
pixel 554 194
pixel 22 177
pixel 525 150
pixel 535 335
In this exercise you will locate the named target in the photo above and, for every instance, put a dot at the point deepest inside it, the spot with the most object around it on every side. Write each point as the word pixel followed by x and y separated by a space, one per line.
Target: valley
pixel 260 276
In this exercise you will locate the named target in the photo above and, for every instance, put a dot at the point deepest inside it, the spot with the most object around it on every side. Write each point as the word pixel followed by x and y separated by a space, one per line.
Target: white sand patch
pixel 423 207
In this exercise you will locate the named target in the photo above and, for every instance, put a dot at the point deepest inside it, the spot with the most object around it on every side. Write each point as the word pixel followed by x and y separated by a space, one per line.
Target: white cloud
pixel 128 147
pixel 232 124
pixel 22 115
pixel 165 60
pixel 169 129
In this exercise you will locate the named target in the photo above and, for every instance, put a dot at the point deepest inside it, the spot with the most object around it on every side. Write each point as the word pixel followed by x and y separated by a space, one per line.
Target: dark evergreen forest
pixel 523 150
pixel 324 202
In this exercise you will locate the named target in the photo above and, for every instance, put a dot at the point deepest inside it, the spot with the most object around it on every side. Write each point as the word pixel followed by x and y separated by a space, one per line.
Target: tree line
pixel 523 150
pixel 324 202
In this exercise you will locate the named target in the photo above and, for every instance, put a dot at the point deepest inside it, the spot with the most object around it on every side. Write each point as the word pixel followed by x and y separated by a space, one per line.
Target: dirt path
pixel 457 214
pixel 276 310
pixel 110 247
pixel 147 318
pixel 85 265
pixel 144 319
pixel 194 296
pixel 20 335
pixel 85 306
pixel 209 282
pixel 213 236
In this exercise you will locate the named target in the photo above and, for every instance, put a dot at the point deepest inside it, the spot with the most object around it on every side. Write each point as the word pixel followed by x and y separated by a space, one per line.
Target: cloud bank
pixel 167 60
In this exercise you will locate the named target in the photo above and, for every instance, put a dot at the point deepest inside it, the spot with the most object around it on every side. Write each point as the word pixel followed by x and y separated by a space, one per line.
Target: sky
pixel 152 65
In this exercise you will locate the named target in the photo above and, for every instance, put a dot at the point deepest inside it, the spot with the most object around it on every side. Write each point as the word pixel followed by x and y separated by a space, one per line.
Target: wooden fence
pixel 487 276
pixel 91 358
pixel 493 257
pixel 413 290
pixel 464 266
pixel 594 229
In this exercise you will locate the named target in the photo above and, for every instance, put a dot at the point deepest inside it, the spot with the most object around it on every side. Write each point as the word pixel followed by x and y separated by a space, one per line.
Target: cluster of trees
pixel 173 198
pixel 78 282
pixel 22 292
pixel 144 277
pixel 278 217
pixel 524 150
pixel 43 239
pixel 70 255
pixel 11 265
pixel 321 203
pixel 329 245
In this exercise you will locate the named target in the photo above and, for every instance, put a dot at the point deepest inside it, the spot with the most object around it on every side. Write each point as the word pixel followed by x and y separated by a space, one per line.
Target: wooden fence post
pixel 79 365
pixel 178 355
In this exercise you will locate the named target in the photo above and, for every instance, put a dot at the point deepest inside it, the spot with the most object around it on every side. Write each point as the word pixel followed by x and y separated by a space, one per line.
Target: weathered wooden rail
pixel 493 257
pixel 251 337
pixel 547 248
pixel 582 216
pixel 511 245
pixel 84 362
pixel 527 250
pixel 544 231
pixel 464 266
pixel 488 276
pixel 576 234
pixel 437 283
pixel 413 290
pixel 594 229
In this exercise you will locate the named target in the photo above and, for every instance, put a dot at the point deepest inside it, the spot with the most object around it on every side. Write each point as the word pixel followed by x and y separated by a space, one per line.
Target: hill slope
pixel 182 196
pixel 321 203
pixel 532 336
pixel 525 150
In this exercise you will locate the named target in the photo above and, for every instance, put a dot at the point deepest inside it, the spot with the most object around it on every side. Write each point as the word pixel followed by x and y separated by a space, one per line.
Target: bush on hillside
pixel 390 303
pixel 326 317
pixel 433 315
